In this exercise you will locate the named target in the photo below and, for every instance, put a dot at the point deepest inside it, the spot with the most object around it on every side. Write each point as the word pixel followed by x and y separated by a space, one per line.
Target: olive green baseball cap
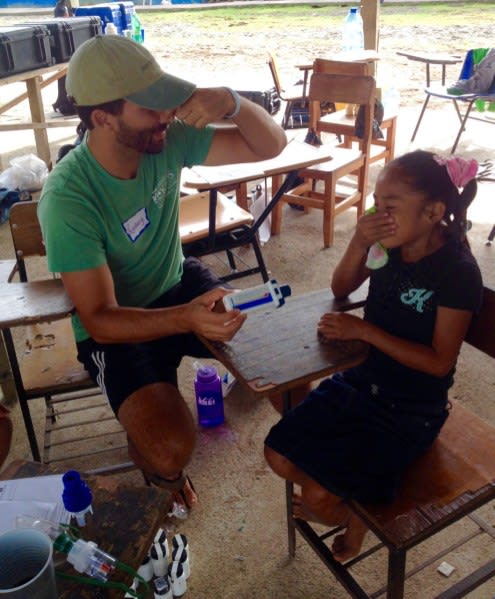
pixel 110 67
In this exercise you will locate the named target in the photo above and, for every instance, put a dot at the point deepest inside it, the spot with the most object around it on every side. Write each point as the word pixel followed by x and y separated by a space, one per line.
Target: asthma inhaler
pixel 268 295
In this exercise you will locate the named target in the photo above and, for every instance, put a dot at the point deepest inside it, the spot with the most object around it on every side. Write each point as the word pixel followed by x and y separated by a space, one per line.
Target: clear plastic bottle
pixel 209 396
pixel 352 31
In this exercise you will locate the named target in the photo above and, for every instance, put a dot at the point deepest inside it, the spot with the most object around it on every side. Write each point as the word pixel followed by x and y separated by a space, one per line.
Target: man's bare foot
pixel 186 496
pixel 348 545
pixel 181 488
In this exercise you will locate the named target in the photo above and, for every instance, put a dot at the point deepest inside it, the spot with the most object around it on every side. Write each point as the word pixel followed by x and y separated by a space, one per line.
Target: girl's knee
pixel 278 463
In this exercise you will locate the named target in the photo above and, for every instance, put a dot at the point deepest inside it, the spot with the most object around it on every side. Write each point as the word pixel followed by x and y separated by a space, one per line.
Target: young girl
pixel 355 434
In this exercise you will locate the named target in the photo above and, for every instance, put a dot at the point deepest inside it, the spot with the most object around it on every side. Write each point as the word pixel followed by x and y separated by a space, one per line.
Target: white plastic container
pixel 353 32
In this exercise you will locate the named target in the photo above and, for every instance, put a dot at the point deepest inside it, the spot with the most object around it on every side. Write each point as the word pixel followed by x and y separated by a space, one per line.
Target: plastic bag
pixel 258 204
pixel 26 173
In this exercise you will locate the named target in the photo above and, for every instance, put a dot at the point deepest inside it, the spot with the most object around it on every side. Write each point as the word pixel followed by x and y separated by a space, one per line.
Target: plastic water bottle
pixel 352 31
pixel 209 396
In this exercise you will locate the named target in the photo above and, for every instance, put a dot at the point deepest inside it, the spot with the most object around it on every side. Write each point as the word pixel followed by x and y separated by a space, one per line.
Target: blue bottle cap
pixel 76 495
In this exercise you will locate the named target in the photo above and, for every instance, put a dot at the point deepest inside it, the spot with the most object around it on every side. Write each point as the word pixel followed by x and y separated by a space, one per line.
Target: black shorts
pixel 119 369
pixel 354 443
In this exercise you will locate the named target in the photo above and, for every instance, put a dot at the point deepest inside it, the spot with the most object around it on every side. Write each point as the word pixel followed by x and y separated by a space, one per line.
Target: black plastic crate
pixel 269 99
pixel 24 49
pixel 67 34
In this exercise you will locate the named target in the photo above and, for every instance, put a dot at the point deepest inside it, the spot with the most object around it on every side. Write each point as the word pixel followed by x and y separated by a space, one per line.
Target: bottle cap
pixel 206 374
pixel 285 290
pixel 76 495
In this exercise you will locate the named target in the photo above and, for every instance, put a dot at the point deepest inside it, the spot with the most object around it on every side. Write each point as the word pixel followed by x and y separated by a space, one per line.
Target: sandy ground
pixel 237 532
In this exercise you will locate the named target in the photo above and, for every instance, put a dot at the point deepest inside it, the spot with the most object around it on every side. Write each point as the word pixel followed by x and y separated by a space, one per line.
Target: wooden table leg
pixel 38 116
pixel 6 377
pixel 277 210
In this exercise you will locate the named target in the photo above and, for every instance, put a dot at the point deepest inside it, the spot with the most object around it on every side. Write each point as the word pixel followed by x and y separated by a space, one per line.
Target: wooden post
pixel 370 11
pixel 38 116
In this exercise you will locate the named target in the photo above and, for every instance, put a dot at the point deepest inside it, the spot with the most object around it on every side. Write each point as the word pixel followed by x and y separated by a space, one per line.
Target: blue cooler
pixel 126 10
pixel 108 13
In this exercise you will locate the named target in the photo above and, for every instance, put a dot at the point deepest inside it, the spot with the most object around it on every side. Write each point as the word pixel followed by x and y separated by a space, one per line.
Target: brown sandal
pixel 175 485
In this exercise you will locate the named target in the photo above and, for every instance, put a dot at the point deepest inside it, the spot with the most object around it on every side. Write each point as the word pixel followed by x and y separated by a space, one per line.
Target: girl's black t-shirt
pixel 403 300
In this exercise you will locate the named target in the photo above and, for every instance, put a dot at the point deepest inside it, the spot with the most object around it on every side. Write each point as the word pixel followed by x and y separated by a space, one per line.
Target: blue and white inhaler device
pixel 268 295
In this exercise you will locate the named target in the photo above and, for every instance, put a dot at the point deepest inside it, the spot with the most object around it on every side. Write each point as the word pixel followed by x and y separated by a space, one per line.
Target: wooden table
pixel 34 84
pixel 124 523
pixel 283 171
pixel 277 351
pixel 24 304
pixel 439 58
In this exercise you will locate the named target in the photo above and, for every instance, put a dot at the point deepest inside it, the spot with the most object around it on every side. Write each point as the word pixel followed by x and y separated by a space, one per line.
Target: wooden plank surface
pixel 36 301
pixel 449 481
pixel 279 349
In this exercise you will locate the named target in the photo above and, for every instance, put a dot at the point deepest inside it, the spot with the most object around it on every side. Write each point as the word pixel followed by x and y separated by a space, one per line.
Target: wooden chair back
pixel 272 64
pixel 382 149
pixel 26 234
pixel 341 67
pixel 343 89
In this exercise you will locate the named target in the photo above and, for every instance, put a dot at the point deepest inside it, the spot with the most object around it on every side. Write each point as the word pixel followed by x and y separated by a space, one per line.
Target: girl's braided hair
pixel 428 174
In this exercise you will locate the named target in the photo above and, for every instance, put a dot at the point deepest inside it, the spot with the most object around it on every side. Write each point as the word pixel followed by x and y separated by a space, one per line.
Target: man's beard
pixel 141 140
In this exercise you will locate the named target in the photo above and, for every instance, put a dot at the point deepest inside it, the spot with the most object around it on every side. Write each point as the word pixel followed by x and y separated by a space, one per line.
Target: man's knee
pixel 160 427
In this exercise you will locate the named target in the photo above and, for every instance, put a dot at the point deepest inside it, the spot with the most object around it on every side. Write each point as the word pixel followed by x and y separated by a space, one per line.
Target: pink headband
pixel 460 170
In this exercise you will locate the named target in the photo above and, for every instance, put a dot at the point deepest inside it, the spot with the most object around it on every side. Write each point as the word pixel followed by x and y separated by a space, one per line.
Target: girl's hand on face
pixel 338 325
pixel 373 227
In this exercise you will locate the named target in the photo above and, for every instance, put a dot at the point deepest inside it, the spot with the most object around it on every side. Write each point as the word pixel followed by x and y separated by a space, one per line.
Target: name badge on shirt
pixel 135 225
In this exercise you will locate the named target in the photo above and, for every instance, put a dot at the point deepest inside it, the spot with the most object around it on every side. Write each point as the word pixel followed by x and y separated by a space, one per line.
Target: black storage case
pixel 24 49
pixel 269 99
pixel 67 34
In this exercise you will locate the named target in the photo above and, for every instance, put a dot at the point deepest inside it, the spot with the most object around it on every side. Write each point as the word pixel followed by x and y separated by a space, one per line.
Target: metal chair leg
pixel 463 126
pixel 425 104
pixel 491 237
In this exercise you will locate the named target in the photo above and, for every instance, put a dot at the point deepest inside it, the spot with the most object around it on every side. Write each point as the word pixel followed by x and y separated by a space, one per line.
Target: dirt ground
pixel 237 532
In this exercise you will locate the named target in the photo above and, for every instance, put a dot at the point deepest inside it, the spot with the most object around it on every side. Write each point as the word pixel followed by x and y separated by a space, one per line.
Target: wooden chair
pixel 292 96
pixel 381 149
pixel 345 162
pixel 452 480
pixel 44 365
pixel 204 232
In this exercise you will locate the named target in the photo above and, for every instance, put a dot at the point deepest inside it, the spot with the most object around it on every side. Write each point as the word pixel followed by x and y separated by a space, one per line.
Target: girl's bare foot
pixel 348 545
pixel 301 510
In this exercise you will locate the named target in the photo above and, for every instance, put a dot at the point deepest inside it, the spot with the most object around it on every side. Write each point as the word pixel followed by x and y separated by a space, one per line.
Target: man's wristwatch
pixel 237 103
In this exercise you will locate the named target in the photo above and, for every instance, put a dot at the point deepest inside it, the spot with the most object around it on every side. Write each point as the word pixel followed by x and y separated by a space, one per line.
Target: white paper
pixel 40 496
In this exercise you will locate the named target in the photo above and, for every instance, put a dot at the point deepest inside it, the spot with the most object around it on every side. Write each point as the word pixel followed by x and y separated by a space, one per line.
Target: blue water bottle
pixel 209 396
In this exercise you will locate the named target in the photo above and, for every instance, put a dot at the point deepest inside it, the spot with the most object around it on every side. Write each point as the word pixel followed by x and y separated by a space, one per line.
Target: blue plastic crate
pixel 108 13
pixel 126 10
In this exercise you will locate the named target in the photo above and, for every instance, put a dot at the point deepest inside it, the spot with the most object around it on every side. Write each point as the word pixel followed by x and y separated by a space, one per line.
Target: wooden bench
pixel 452 480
